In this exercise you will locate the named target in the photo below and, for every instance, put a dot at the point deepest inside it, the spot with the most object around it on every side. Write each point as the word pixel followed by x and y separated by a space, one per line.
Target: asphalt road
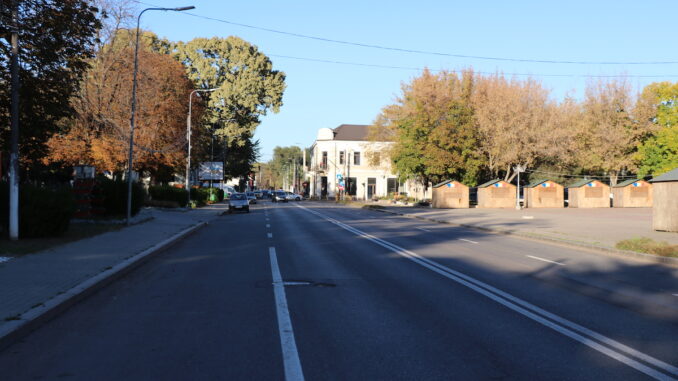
pixel 314 291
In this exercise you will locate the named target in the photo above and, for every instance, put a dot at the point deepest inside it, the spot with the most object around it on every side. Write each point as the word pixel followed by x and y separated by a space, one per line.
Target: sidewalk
pixel 596 228
pixel 32 280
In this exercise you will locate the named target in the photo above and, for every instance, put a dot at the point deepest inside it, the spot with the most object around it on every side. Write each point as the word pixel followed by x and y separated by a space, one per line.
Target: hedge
pixel 113 195
pixel 169 193
pixel 43 212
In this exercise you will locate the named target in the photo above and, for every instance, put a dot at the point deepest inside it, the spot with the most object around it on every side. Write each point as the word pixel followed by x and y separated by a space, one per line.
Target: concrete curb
pixel 600 249
pixel 40 314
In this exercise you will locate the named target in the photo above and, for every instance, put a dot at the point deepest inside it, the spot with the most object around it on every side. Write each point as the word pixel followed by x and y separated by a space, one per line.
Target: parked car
pixel 265 193
pixel 279 196
pixel 293 196
pixel 251 197
pixel 259 194
pixel 238 202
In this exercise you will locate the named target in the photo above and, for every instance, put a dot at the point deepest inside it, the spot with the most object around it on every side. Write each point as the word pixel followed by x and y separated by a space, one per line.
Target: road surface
pixel 314 291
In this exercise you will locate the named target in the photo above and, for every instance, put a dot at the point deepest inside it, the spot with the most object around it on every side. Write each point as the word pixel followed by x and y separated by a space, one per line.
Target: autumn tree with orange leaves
pixel 99 135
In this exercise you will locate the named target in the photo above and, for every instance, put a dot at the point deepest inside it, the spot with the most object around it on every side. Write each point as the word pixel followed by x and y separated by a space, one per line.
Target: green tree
pixel 56 41
pixel 659 154
pixel 658 106
pixel 248 87
pixel 281 166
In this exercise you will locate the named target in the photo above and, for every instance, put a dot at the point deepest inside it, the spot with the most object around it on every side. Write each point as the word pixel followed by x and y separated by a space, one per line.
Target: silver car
pixel 238 202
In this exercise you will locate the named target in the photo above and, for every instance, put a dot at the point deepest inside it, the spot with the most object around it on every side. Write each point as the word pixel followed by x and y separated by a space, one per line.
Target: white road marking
pixel 270 235
pixel 467 240
pixel 675 294
pixel 268 225
pixel 546 260
pixel 426 230
pixel 266 218
pixel 583 335
pixel 4 259
pixel 291 361
pixel 296 283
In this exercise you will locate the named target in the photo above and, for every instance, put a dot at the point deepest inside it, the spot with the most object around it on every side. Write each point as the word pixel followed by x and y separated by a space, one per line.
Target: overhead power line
pixel 478 72
pixel 416 51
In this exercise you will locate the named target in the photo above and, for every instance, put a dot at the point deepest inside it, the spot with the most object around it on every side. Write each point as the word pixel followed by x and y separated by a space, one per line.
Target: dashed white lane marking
pixel 545 260
pixel 594 340
pixel 467 240
pixel 291 361
pixel 270 235
pixel 675 294
pixel 426 230
pixel 268 225
pixel 4 259
pixel 266 218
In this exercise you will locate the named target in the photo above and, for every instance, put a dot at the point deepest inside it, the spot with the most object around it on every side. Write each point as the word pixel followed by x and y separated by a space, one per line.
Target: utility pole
pixel 294 183
pixel 14 124
pixel 518 169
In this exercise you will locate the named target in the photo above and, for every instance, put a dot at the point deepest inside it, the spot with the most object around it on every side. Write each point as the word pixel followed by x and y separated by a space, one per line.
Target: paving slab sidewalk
pixel 33 279
pixel 595 227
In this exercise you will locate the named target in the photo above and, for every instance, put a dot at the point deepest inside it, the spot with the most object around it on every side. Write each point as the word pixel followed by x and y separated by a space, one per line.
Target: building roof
pixel 487 184
pixel 668 176
pixel 580 183
pixel 352 132
pixel 625 183
pixel 535 183
pixel 443 183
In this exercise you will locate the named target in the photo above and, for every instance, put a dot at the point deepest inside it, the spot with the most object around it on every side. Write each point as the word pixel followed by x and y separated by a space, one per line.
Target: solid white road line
pixel 291 361
pixel 467 240
pixel 545 260
pixel 426 230
pixel 270 235
pixel 592 339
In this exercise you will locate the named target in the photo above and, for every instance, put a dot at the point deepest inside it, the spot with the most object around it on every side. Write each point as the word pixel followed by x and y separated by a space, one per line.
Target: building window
pixel 356 158
pixel 324 162
pixel 341 157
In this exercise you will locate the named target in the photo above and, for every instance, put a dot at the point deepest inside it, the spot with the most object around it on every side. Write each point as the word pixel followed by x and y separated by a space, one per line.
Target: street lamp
pixel 134 106
pixel 188 137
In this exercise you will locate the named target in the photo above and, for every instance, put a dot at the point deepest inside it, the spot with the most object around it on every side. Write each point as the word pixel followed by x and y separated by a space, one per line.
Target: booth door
pixel 371 187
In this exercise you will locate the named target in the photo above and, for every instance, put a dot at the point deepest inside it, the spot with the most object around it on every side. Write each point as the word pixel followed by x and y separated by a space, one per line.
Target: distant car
pixel 265 193
pixel 292 196
pixel 279 196
pixel 238 202
pixel 259 194
pixel 251 197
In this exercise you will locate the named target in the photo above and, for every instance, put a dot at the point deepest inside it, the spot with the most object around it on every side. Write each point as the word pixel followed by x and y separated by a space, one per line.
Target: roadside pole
pixel 518 169
pixel 14 124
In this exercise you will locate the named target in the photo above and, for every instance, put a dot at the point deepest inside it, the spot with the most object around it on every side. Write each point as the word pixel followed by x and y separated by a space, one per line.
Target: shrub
pixel 43 212
pixel 200 196
pixel 168 193
pixel 113 196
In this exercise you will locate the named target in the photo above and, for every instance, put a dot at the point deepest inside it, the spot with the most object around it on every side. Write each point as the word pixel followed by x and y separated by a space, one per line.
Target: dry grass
pixel 649 246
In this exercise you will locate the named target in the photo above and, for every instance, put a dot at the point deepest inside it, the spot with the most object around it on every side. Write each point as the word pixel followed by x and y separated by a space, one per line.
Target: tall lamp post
pixel 188 137
pixel 134 106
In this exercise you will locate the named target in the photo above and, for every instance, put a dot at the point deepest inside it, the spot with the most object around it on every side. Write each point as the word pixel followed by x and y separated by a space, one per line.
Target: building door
pixel 323 187
pixel 371 187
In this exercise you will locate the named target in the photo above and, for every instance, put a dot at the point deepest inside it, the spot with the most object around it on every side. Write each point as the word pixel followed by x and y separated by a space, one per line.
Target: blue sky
pixel 327 95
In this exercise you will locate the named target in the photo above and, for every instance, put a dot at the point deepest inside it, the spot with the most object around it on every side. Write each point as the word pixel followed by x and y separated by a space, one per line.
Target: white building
pixel 346 153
